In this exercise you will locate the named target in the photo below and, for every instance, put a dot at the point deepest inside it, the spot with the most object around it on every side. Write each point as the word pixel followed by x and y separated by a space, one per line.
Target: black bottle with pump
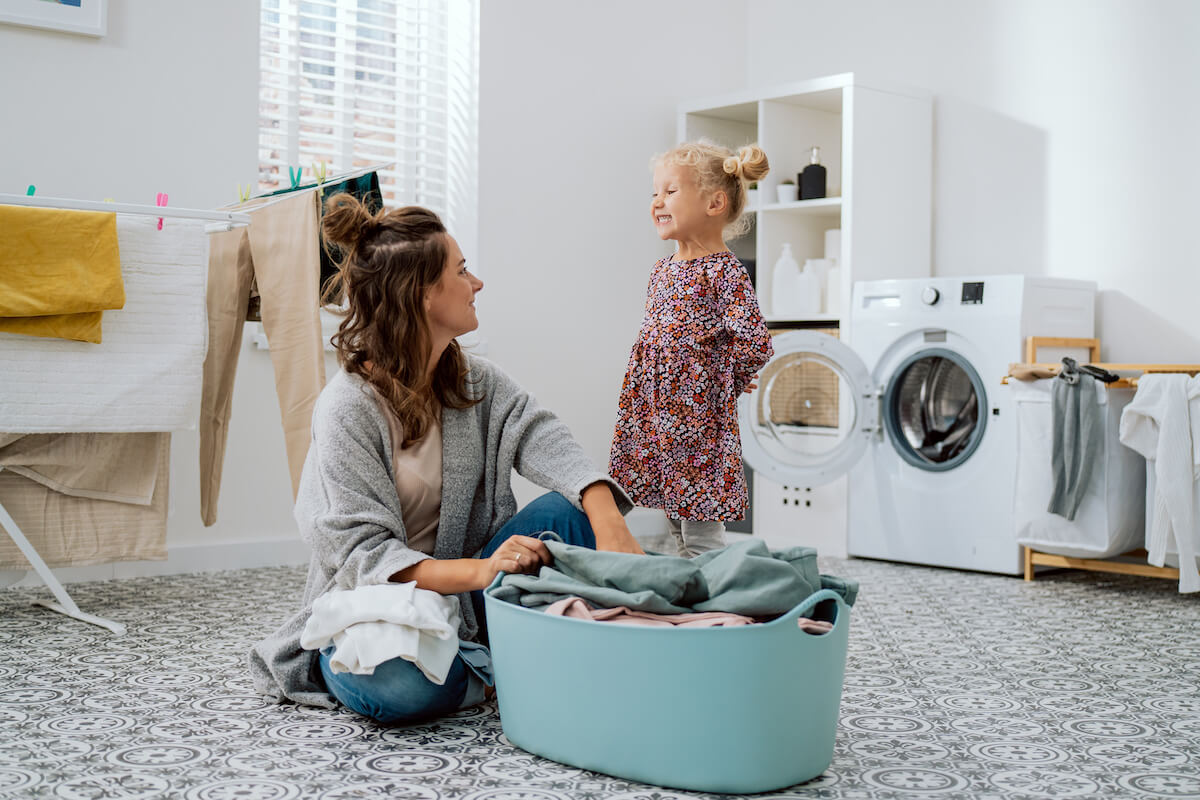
pixel 812 179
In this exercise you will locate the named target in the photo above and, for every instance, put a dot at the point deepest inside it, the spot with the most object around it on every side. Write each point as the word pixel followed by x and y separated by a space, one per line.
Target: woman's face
pixel 450 303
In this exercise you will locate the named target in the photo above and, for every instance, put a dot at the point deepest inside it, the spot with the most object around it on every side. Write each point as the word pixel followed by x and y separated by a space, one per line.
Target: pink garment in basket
pixel 578 608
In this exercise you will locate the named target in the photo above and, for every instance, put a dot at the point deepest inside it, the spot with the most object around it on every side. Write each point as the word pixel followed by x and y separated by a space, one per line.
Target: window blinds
pixel 357 83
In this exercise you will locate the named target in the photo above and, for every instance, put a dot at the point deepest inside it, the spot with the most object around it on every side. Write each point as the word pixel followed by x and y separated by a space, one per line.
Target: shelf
pixel 825 205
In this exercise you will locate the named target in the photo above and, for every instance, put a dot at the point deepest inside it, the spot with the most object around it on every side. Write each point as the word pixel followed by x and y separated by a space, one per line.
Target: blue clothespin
pixel 296 176
pixel 243 195
pixel 319 174
pixel 29 192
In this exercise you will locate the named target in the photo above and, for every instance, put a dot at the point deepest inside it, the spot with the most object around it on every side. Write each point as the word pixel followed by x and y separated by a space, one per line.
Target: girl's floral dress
pixel 677 445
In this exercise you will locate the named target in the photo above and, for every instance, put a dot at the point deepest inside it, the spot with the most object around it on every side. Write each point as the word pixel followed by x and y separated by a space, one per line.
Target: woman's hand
pixel 751 386
pixel 518 554
pixel 612 534
pixel 616 538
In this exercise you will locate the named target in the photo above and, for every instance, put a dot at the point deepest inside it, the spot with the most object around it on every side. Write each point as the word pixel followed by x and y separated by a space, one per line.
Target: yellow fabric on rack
pixel 59 271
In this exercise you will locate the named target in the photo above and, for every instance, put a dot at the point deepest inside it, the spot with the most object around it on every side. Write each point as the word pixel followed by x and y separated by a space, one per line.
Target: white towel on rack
pixel 1163 424
pixel 146 375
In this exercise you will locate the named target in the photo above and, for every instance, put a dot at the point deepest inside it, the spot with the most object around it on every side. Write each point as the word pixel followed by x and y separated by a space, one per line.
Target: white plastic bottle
pixel 785 285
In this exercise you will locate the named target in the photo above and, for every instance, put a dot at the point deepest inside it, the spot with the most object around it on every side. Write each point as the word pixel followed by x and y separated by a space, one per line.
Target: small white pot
pixel 752 198
pixel 787 192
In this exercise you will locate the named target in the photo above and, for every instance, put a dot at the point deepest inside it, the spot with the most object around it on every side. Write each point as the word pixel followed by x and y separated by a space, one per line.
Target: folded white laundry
pixel 372 624
pixel 1163 424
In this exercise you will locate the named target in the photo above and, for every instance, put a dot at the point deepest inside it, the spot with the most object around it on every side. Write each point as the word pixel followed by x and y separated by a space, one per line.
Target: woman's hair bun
pixel 347 221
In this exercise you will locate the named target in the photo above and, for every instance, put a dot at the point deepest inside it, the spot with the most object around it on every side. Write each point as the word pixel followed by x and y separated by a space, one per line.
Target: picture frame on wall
pixel 85 17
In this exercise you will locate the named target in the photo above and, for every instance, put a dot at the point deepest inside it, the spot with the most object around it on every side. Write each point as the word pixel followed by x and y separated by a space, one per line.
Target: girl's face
pixel 450 303
pixel 678 208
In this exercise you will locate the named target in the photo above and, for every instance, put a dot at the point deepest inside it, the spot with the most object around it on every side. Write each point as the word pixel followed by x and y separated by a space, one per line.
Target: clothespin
pixel 160 200
pixel 296 175
pixel 243 195
pixel 29 192
pixel 319 173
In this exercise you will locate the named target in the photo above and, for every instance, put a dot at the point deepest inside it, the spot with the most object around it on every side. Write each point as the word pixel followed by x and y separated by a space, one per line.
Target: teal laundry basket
pixel 735 710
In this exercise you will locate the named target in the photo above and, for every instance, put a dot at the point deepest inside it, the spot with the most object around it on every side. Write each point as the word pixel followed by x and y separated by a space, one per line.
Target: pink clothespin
pixel 160 200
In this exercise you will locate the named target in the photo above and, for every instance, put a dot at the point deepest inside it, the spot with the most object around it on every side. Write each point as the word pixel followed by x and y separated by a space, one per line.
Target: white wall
pixel 575 99
pixel 1065 138
pixel 167 102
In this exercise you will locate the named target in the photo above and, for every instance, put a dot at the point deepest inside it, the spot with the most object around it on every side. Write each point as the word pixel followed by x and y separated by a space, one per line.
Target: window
pixel 361 83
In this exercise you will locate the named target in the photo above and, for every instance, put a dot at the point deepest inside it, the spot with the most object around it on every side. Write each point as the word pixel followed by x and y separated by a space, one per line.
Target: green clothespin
pixel 29 192
pixel 243 195
pixel 296 176
pixel 319 174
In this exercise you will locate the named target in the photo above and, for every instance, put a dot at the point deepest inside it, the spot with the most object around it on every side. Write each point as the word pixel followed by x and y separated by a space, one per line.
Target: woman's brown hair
pixel 390 260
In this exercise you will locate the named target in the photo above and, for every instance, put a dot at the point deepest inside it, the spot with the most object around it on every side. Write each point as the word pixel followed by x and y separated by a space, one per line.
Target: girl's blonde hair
pixel 717 168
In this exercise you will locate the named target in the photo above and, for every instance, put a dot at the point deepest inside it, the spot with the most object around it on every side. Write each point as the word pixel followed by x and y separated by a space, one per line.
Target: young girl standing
pixel 701 344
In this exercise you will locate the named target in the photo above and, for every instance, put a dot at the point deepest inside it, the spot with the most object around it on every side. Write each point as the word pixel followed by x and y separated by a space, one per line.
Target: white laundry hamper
pixel 1111 517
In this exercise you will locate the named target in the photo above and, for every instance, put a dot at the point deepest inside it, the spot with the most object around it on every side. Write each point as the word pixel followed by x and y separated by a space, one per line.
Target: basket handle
pixel 806 606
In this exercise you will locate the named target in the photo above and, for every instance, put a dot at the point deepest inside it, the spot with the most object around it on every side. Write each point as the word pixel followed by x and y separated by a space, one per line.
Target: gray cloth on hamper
pixel 350 515
pixel 1078 428
pixel 743 578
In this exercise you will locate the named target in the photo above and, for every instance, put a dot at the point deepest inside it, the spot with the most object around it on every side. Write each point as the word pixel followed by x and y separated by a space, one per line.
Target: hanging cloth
pixel 59 271
pixel 363 187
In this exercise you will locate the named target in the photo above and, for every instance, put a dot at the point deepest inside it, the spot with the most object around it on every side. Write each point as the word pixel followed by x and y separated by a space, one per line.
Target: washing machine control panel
pixel 972 293
pixel 930 296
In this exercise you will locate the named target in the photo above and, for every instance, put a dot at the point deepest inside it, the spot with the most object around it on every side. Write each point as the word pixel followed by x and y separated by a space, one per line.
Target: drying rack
pixel 1129 374
pixel 224 219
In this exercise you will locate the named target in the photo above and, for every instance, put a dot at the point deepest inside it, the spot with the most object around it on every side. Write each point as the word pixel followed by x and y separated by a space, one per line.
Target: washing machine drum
pixel 933 409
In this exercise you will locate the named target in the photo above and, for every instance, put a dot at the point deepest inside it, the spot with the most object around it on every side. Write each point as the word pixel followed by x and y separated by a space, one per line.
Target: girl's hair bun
pixel 751 163
pixel 347 221
pixel 732 166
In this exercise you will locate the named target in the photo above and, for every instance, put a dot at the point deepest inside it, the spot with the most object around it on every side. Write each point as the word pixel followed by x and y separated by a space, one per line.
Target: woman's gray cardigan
pixel 350 516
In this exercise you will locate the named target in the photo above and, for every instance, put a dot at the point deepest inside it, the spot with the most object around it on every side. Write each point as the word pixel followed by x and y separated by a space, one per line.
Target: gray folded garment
pixel 743 578
pixel 1078 426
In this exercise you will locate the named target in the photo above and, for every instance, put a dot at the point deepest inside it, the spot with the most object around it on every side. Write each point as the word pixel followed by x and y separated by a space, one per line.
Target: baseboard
pixel 209 557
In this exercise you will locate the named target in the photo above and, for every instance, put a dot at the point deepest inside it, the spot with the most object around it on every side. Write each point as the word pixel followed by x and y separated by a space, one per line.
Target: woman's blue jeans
pixel 398 691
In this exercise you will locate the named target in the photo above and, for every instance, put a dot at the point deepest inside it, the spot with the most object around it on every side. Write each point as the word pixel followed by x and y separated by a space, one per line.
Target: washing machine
pixel 910 409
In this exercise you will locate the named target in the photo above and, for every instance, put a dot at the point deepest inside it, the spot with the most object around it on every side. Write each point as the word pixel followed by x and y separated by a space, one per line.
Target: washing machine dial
pixel 930 296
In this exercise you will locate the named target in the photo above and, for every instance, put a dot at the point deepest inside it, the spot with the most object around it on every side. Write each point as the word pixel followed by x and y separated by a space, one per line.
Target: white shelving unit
pixel 876 143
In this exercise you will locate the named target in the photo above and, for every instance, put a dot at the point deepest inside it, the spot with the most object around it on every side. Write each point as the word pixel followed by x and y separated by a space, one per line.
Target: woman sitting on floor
pixel 408 474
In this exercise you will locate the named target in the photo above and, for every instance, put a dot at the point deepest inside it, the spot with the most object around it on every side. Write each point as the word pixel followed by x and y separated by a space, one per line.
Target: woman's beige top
pixel 418 471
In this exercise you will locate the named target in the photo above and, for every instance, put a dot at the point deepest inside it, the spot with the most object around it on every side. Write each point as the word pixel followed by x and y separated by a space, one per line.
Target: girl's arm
pixel 742 317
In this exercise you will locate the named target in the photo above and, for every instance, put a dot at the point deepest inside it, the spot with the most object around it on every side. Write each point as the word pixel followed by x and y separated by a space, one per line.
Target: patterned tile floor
pixel 957 685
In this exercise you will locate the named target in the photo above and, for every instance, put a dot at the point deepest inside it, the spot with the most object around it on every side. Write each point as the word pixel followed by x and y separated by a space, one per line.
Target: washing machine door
pixel 813 413
pixel 935 409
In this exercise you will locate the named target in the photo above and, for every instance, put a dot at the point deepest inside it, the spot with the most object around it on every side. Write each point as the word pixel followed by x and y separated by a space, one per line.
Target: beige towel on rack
pixel 120 467
pixel 69 530
pixel 59 271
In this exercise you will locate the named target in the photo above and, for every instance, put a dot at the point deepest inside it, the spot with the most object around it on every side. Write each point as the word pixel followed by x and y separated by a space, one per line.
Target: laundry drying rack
pixel 1129 374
